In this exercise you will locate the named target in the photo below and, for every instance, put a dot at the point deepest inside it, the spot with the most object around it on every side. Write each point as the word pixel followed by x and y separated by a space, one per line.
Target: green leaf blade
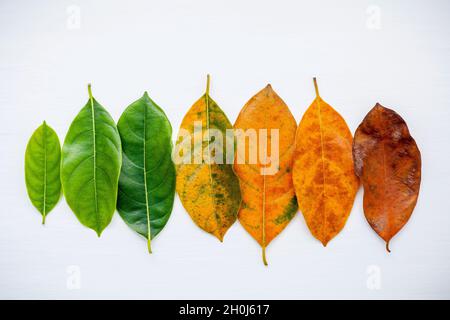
pixel 147 179
pixel 42 169
pixel 91 161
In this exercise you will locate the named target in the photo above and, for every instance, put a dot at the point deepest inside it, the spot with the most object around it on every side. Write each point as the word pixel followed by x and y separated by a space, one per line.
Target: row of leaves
pixel 129 167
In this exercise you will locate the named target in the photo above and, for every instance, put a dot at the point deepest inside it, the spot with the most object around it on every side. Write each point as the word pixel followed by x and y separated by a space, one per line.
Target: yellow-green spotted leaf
pixel 207 187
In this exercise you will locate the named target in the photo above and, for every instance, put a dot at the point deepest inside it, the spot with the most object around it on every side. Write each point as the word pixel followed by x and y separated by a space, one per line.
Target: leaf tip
pixel 378 106
pixel 219 234
pixel 268 91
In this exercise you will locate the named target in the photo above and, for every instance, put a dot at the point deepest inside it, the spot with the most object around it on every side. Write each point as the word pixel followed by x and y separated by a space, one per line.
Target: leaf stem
pixel 264 256
pixel 207 84
pixel 90 91
pixel 316 87
pixel 149 245
pixel 387 247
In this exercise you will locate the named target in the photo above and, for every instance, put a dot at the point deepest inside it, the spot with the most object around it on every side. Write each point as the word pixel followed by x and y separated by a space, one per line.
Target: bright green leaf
pixel 91 161
pixel 42 163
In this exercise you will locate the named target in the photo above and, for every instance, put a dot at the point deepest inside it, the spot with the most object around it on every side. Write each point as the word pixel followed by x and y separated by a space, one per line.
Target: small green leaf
pixel 90 166
pixel 147 178
pixel 42 162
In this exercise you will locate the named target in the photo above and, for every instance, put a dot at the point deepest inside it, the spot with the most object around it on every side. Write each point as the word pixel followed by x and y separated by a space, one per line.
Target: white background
pixel 363 52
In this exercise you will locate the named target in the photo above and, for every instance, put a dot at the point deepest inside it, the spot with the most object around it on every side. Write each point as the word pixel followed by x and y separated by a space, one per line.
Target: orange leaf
pixel 388 162
pixel 323 174
pixel 268 198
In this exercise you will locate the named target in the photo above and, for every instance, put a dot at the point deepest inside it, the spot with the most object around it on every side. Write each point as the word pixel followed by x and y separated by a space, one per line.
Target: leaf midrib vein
pixel 213 200
pixel 45 171
pixel 94 147
pixel 264 193
pixel 322 153
pixel 144 169
pixel 383 151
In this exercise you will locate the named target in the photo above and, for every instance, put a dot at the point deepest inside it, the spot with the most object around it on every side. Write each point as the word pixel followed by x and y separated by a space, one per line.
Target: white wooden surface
pixel 393 52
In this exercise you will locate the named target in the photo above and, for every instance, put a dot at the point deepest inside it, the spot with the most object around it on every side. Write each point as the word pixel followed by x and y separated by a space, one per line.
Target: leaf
pixel 268 201
pixel 147 178
pixel 208 190
pixel 388 163
pixel 90 166
pixel 42 165
pixel 324 179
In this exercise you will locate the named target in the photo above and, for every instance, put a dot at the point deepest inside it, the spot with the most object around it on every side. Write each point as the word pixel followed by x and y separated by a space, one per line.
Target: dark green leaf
pixel 147 179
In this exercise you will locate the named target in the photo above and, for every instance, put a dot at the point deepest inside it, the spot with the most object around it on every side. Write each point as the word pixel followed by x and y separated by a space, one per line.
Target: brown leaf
pixel 268 198
pixel 323 174
pixel 388 162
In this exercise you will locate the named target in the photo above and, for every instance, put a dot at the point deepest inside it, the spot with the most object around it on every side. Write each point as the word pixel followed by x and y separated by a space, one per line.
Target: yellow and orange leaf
pixel 323 173
pixel 268 200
